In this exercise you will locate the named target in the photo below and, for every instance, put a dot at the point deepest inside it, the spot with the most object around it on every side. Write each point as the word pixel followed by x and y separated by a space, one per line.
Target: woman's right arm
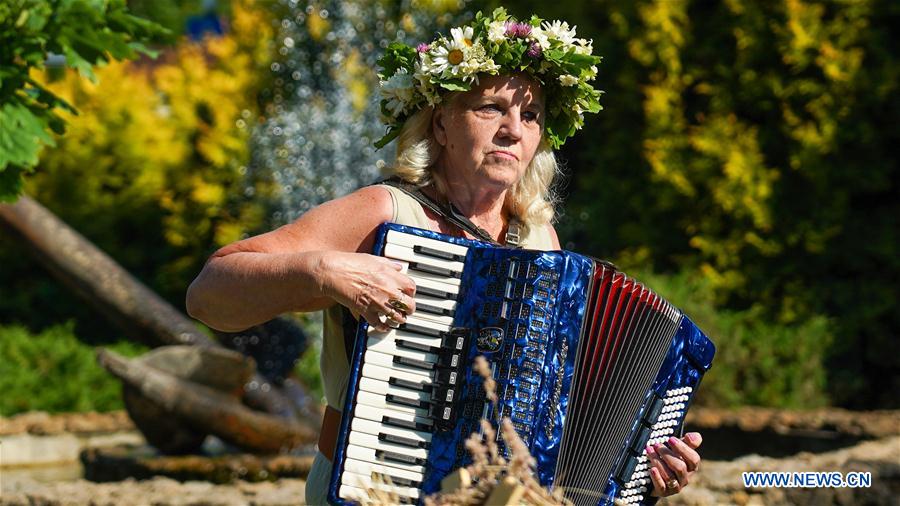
pixel 310 264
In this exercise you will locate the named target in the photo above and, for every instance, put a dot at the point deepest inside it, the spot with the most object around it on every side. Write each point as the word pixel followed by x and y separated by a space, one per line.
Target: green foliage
pixel 53 371
pixel 87 33
pixel 758 362
pixel 151 170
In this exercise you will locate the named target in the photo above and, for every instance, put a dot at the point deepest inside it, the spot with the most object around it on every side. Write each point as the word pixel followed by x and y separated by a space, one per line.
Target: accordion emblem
pixel 590 365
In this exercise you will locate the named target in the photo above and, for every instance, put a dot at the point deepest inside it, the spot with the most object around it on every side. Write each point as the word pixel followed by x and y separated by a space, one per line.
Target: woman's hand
pixel 370 286
pixel 673 464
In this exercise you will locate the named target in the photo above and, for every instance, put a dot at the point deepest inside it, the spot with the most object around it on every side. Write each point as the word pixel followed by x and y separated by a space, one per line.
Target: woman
pixel 476 118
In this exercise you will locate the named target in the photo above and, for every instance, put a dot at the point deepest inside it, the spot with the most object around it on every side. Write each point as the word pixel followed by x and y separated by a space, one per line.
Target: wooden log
pixel 96 277
pixel 129 304
pixel 215 411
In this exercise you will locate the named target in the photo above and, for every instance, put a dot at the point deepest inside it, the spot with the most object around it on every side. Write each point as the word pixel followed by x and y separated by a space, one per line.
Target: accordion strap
pixel 450 213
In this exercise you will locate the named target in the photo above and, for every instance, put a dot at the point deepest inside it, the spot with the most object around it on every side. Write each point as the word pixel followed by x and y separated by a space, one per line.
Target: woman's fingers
pixel 673 464
pixel 659 470
pixel 693 439
pixel 685 452
pixel 659 484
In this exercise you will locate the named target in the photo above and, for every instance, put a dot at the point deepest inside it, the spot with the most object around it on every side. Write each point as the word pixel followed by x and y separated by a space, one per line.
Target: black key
pixel 405 424
pixel 437 294
pixel 405 441
pixel 412 362
pixel 412 345
pixel 399 482
pixel 406 401
pixel 437 271
pixel 412 385
pixel 444 255
pixel 399 457
pixel 425 331
pixel 440 311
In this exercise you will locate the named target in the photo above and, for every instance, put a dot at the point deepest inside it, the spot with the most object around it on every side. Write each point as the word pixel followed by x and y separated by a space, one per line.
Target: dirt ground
pixel 717 482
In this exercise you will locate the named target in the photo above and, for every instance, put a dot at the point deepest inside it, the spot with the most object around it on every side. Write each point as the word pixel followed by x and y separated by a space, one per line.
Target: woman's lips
pixel 504 154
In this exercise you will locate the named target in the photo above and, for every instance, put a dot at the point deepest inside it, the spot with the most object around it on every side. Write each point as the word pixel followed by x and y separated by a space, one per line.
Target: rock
pixel 122 462
pixel 156 492
pixel 41 423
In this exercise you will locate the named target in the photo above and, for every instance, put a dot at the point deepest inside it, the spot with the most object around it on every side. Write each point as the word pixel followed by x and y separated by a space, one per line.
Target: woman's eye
pixel 530 116
pixel 491 107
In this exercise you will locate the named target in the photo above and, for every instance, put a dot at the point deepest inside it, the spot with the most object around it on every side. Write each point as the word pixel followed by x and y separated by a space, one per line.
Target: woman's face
pixel 490 134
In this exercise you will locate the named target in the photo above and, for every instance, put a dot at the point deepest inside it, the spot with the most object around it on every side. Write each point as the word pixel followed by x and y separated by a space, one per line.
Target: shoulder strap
pixel 450 213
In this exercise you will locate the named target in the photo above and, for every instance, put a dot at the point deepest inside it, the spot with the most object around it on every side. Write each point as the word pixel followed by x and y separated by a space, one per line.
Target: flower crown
pixel 549 52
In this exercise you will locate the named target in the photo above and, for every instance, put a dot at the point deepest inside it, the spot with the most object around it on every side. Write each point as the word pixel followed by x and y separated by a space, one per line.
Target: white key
pixel 417 275
pixel 415 319
pixel 406 335
pixel 383 388
pixel 434 284
pixel 370 441
pixel 389 346
pixel 368 455
pixel 398 252
pixel 379 401
pixel 385 374
pixel 409 240
pixel 385 360
pixel 366 468
pixel 362 496
pixel 362 481
pixel 434 301
pixel 377 414
pixel 355 494
pixel 375 428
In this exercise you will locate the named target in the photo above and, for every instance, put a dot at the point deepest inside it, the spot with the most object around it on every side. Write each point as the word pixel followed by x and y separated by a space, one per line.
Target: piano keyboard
pixel 408 377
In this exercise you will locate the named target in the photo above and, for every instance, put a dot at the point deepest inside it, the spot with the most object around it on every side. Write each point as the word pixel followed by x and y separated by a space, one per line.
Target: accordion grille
pixel 624 341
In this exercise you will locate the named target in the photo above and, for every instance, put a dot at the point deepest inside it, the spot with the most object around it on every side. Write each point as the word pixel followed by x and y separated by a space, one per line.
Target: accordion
pixel 590 367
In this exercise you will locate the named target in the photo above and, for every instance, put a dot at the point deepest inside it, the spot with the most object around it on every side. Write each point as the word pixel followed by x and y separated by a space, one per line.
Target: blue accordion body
pixel 532 341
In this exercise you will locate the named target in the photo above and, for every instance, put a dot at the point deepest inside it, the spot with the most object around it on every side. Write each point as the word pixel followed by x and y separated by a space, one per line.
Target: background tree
pixel 86 33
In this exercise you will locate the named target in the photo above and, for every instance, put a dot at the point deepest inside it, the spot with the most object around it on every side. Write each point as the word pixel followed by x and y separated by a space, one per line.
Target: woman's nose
pixel 512 125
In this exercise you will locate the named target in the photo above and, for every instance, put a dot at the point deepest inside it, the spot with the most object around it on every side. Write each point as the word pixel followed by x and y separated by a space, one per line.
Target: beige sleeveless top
pixel 334 366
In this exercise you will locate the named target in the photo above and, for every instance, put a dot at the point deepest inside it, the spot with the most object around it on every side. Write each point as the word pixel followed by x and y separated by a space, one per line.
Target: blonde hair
pixel 530 200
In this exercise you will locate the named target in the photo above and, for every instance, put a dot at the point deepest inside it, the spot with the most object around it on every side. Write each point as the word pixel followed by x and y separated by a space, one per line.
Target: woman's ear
pixel 437 126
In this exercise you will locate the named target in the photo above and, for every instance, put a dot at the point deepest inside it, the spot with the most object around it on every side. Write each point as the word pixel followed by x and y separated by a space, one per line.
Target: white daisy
pixel 436 61
pixel 462 36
